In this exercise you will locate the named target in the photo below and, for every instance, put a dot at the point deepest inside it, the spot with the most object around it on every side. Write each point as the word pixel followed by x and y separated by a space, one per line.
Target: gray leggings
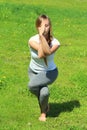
pixel 38 85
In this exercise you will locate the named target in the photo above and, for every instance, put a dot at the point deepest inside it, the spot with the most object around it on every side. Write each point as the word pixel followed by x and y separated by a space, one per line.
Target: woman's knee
pixel 44 92
pixel 30 87
pixel 33 90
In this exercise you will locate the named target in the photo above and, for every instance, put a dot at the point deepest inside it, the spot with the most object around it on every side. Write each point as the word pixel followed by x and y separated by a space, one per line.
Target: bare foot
pixel 42 117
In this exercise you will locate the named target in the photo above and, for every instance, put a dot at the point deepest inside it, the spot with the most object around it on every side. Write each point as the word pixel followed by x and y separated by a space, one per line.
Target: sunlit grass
pixel 68 95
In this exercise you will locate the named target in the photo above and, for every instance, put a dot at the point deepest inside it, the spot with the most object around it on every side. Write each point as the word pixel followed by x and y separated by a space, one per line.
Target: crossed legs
pixel 38 86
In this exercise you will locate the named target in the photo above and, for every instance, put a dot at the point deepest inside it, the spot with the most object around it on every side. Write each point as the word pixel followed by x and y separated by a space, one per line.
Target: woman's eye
pixel 46 25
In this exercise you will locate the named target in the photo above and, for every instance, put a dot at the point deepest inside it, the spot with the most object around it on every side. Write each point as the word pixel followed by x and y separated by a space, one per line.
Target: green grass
pixel 19 109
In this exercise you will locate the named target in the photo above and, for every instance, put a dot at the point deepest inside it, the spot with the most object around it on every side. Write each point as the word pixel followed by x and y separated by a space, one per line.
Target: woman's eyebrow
pixel 47 24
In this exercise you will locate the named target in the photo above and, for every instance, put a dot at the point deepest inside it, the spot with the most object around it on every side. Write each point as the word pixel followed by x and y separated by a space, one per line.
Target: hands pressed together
pixel 41 30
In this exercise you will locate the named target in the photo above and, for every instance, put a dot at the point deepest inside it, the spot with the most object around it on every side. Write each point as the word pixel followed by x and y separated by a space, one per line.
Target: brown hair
pixel 38 23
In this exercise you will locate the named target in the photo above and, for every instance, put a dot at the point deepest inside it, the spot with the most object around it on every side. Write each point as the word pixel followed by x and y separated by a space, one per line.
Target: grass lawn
pixel 19 109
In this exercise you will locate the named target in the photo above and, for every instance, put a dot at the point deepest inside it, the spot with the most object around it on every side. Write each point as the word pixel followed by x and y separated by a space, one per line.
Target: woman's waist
pixel 37 67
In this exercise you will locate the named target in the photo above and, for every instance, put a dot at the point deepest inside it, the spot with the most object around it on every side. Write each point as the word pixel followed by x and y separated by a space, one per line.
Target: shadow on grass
pixel 57 108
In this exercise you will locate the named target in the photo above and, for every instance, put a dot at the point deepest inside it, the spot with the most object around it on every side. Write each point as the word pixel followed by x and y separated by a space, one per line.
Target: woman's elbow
pixel 41 56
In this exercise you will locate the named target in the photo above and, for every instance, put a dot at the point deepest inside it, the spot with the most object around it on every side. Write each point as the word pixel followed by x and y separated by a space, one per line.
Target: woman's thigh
pixel 43 78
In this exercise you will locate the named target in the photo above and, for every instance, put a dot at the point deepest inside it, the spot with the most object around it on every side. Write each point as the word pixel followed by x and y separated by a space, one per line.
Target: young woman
pixel 42 69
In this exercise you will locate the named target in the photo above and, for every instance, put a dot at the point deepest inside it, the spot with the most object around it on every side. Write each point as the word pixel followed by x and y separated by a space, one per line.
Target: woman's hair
pixel 38 23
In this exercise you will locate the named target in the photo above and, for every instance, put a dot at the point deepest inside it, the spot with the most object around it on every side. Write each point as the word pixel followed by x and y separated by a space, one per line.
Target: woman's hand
pixel 41 30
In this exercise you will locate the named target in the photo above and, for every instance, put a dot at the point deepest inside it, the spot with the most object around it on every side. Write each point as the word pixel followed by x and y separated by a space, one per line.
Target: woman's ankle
pixel 42 117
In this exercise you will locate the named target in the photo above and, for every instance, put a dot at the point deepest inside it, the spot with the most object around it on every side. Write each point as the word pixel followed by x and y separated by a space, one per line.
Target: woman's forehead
pixel 45 21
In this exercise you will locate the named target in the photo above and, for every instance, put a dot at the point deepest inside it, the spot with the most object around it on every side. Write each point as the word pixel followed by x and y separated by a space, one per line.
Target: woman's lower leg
pixel 43 102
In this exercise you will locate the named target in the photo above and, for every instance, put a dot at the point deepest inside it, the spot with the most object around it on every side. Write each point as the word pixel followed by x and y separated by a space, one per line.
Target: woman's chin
pixel 45 33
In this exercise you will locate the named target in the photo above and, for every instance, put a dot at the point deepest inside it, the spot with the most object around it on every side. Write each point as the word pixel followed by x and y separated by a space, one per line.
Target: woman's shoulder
pixel 55 41
pixel 34 38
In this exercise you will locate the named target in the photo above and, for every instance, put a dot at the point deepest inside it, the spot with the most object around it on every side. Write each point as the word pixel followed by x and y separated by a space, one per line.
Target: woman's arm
pixel 54 48
pixel 38 48
pixel 46 48
pixel 44 44
pixel 43 49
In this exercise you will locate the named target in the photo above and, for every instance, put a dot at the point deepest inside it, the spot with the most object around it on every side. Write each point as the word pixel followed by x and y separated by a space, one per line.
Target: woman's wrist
pixel 40 34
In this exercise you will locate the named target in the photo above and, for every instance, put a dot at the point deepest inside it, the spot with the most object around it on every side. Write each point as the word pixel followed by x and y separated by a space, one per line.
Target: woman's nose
pixel 44 28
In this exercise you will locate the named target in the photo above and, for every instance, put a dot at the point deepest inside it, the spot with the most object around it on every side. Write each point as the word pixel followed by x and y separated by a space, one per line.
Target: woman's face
pixel 46 25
